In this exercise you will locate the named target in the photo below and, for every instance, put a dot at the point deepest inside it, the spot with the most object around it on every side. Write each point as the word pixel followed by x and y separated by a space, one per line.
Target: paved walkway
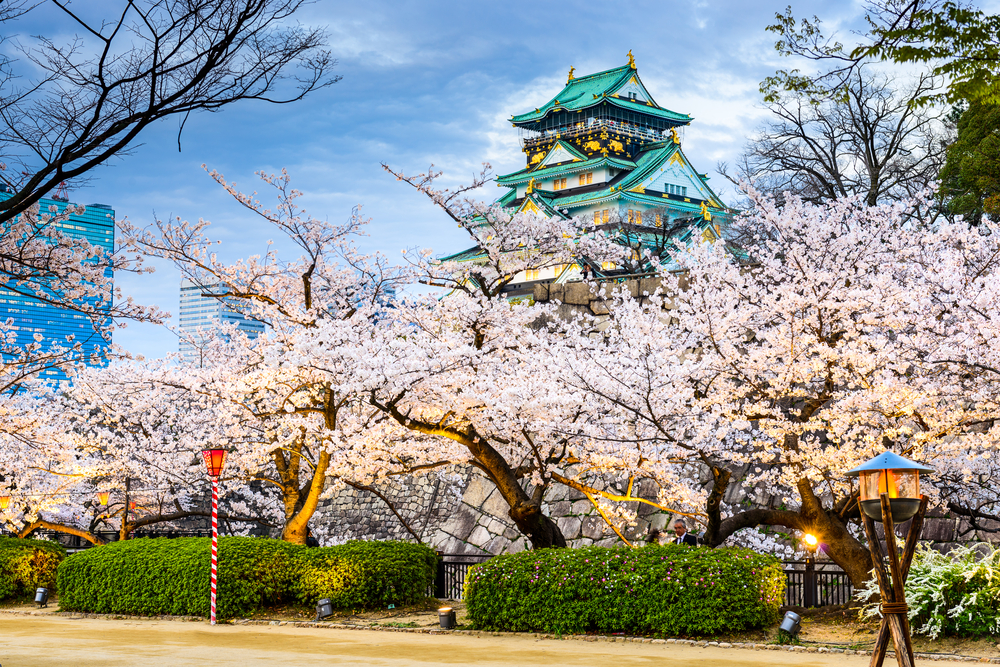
pixel 33 641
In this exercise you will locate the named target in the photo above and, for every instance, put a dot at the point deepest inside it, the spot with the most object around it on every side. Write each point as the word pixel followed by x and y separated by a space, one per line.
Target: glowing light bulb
pixel 810 540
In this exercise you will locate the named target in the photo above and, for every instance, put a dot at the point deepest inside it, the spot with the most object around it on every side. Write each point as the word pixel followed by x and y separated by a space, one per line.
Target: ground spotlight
pixel 446 615
pixel 323 609
pixel 791 623
pixel 42 597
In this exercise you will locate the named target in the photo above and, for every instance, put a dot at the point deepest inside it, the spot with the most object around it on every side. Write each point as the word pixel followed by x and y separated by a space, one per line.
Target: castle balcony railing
pixel 531 138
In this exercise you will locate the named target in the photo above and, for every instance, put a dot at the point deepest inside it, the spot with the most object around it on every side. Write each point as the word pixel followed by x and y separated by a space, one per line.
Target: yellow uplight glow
pixel 810 540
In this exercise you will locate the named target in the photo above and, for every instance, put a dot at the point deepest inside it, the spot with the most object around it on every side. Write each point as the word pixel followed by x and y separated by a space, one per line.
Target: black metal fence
pixel 452 570
pixel 816 584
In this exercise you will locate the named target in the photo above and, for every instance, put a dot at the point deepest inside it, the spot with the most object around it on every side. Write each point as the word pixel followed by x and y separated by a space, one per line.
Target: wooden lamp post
pixel 890 494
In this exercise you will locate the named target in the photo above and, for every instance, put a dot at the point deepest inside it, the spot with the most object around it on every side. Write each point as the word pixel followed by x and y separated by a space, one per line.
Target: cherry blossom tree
pixel 846 330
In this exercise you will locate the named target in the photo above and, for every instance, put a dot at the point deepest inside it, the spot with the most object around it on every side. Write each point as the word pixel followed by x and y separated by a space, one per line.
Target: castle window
pixel 659 219
pixel 638 217
pixel 675 190
pixel 559 184
pixel 587 179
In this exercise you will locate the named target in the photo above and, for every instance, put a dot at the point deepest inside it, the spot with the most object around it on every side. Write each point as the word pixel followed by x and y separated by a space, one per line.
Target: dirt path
pixel 31 641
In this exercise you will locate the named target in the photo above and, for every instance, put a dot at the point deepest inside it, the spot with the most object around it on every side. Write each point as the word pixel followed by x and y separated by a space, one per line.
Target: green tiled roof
pixel 525 174
pixel 588 91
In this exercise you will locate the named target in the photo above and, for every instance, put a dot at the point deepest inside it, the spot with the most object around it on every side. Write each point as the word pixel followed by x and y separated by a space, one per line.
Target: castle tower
pixel 604 151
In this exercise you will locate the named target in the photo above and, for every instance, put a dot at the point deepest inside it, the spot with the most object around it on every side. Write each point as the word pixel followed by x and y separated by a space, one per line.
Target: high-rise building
pixel 603 151
pixel 201 315
pixel 31 316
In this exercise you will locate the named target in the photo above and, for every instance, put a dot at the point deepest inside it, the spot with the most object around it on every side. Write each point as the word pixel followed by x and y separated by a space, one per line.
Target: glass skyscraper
pixel 31 316
pixel 201 315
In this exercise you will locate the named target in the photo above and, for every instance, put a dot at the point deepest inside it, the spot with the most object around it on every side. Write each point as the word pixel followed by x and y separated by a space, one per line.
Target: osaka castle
pixel 603 151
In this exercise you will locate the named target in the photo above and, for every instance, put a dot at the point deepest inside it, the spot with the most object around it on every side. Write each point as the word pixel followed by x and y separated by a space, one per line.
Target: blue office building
pixel 202 314
pixel 31 316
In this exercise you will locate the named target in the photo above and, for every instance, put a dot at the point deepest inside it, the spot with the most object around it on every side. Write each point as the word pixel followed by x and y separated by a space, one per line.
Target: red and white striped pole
pixel 214 460
pixel 215 541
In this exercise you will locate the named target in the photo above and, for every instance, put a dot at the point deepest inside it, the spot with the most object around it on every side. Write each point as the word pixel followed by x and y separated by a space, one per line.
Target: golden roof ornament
pixel 571 70
pixel 631 60
pixel 704 212
pixel 673 135
pixel 531 186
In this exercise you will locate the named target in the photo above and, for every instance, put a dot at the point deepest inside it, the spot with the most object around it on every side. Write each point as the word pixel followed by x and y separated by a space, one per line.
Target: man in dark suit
pixel 682 536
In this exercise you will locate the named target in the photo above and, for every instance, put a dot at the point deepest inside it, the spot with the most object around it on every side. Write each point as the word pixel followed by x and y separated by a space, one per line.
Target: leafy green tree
pixel 958 42
pixel 970 179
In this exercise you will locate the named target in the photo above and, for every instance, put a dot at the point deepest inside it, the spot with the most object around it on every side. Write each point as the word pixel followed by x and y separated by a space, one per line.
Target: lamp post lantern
pixel 214 460
pixel 809 579
pixel 103 497
pixel 890 494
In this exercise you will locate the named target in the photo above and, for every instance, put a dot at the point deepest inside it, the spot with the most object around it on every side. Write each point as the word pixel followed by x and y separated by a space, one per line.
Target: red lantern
pixel 103 497
pixel 4 502
pixel 214 460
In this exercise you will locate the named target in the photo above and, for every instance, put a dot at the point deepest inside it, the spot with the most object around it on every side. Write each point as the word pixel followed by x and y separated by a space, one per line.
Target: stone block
pixel 511 533
pixel 581 506
pixel 570 526
pixel 608 542
pixel 938 530
pixel 496 506
pixel 478 491
pixel 498 545
pixel 599 307
pixel 461 524
pixel 576 294
pixel 649 285
pixel 593 527
pixel 541 292
pixel 480 537
pixel 561 508
pixel 556 292
pixel 556 492
pixel 517 545
pixel 633 288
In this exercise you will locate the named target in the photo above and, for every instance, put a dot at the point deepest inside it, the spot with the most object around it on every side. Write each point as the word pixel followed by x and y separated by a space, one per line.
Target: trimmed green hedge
pixel 364 574
pixel 171 576
pixel 26 565
pixel 668 590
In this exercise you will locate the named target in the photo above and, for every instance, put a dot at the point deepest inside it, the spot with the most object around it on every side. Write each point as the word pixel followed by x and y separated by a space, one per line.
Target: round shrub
pixel 668 590
pixel 171 576
pixel 26 565
pixel 365 575
pixel 953 594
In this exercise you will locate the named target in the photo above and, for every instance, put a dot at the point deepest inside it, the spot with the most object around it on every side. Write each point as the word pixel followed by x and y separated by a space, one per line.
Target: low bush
pixel 364 575
pixel 668 590
pixel 26 565
pixel 171 576
pixel 957 594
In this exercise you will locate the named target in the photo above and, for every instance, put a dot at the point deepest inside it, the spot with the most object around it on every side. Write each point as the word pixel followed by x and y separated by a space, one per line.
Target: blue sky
pixel 435 82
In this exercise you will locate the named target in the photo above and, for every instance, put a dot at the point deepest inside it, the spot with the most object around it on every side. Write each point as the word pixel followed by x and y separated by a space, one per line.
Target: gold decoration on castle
pixel 571 70
pixel 537 157
pixel 592 146
pixel 631 60
pixel 531 186
pixel 705 213
pixel 673 135
pixel 616 146
pixel 639 188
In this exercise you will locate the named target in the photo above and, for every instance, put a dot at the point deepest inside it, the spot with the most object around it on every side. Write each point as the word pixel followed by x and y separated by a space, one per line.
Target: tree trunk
pixel 540 529
pixel 827 525
pixel 525 511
